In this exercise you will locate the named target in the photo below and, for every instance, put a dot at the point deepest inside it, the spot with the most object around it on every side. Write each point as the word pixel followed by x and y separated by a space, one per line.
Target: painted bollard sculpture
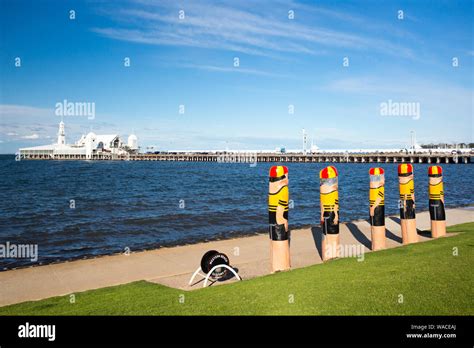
pixel 278 219
pixel 377 207
pixel 436 202
pixel 407 203
pixel 329 201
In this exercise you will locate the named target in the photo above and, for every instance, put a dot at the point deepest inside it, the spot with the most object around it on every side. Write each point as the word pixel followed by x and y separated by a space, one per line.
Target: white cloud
pixel 30 137
pixel 402 86
pixel 10 110
pixel 231 69
pixel 39 126
pixel 446 108
pixel 212 25
pixel 17 121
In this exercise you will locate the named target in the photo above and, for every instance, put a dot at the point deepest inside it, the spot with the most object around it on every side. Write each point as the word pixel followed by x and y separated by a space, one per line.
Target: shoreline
pixel 229 236
pixel 173 266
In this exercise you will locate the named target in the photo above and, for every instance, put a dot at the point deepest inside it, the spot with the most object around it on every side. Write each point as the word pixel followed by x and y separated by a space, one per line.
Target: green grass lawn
pixel 430 278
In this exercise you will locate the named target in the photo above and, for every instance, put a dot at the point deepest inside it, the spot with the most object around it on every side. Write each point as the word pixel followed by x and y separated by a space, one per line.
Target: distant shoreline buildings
pixel 88 145
pixel 93 146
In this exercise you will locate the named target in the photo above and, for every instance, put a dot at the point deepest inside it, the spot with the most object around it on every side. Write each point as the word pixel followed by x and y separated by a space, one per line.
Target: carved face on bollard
pixel 435 181
pixel 405 179
pixel 377 180
pixel 278 178
pixel 328 185
pixel 435 175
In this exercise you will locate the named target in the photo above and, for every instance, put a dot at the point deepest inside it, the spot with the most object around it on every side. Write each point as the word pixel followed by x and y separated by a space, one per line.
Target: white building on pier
pixel 88 145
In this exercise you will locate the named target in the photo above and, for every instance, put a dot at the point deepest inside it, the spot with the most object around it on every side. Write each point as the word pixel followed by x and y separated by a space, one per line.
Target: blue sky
pixel 283 62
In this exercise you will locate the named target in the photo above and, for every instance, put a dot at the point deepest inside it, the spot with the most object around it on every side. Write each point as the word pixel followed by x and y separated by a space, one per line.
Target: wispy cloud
pixel 236 70
pixel 407 86
pixel 215 26
pixel 356 20
pixel 9 110
pixel 25 124
pixel 30 137
pixel 441 102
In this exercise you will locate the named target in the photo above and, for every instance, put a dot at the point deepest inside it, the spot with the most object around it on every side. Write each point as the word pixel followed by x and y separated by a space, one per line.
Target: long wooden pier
pixel 248 157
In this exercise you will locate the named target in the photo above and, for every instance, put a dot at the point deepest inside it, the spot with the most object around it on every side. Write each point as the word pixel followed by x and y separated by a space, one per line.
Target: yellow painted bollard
pixel 377 207
pixel 278 199
pixel 436 201
pixel 329 202
pixel 407 203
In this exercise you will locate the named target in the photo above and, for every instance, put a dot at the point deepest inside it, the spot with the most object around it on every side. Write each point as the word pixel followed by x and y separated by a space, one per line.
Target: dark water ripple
pixel 137 204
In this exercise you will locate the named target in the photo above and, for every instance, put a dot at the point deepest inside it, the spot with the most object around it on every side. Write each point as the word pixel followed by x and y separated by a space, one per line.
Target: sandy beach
pixel 174 266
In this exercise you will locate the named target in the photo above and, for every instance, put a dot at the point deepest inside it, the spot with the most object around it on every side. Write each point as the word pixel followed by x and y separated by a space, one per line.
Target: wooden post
pixel 407 203
pixel 377 207
pixel 278 200
pixel 329 204
pixel 436 202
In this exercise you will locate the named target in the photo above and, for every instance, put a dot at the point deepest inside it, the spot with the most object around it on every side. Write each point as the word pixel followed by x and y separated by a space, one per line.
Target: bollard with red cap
pixel 278 200
pixel 436 201
pixel 407 203
pixel 377 207
pixel 329 202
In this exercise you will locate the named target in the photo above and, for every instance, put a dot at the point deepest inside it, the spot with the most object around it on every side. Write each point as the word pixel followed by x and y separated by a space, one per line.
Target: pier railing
pixel 230 157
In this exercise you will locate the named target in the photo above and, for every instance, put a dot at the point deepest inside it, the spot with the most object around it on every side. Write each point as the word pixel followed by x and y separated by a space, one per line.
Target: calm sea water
pixel 143 205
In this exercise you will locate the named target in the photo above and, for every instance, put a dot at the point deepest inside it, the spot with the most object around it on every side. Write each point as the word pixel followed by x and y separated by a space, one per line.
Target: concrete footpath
pixel 174 266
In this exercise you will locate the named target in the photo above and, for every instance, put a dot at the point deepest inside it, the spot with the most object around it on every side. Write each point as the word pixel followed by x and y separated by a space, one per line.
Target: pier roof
pixel 41 147
pixel 106 138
